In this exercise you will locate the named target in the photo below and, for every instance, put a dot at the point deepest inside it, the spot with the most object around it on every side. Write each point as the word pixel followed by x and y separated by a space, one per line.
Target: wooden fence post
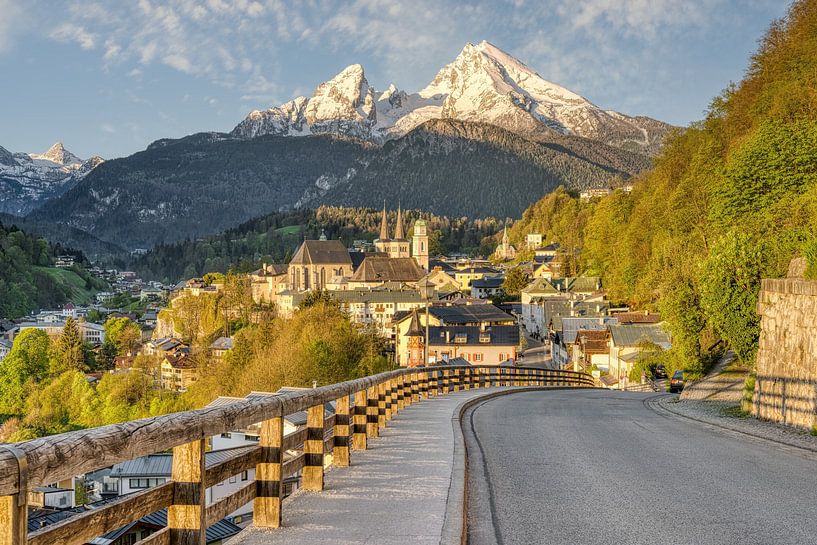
pixel 423 384
pixel 433 382
pixel 389 399
pixel 267 502
pixel 371 412
pixel 13 519
pixel 340 448
pixel 312 476
pixel 415 387
pixel 359 421
pixel 186 517
pixel 14 507
pixel 381 405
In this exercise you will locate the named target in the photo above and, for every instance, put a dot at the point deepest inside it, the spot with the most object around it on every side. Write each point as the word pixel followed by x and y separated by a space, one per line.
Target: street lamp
pixel 426 289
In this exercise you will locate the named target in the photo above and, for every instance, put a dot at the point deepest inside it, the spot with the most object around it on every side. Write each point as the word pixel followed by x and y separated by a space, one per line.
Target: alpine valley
pixel 488 136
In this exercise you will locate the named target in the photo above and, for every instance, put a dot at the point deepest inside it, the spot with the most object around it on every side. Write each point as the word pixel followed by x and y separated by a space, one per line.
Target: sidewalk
pixel 718 413
pixel 394 492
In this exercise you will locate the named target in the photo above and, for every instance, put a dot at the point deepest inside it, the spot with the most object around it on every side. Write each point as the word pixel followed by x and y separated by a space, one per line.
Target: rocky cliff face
pixel 483 84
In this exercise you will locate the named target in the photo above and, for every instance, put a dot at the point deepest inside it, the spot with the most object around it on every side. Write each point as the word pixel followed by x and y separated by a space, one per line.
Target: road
pixel 536 354
pixel 599 467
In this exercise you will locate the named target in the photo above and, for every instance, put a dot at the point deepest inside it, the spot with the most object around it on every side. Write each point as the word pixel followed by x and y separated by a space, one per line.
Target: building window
pixel 485 337
pixel 63 501
pixel 461 338
pixel 245 475
pixel 477 357
pixel 226 435
pixel 146 483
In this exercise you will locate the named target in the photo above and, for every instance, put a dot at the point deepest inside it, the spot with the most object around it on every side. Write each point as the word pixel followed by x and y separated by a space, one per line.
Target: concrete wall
pixel 786 387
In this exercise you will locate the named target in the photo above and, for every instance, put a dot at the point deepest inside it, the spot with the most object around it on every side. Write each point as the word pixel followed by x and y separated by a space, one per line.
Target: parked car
pixel 676 384
pixel 660 371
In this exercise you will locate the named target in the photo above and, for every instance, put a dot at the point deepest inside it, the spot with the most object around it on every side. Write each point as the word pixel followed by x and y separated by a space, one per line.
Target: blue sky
pixel 109 77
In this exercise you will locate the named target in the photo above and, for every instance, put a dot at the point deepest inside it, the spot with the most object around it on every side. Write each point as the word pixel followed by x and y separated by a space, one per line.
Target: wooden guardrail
pixel 363 406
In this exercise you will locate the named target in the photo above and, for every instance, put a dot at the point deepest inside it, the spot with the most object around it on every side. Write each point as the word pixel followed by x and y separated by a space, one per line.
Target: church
pixel 399 247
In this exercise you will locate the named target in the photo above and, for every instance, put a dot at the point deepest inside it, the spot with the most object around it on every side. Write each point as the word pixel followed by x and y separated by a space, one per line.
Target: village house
pixel 177 371
pixel 482 334
pixel 533 240
pixel 155 469
pixel 487 287
pixel 442 278
pixel 629 342
pixel 221 346
pixel 5 348
pixel 594 193
pixel 565 330
pixel 464 277
pixel 267 282
pixel 377 308
pixel 591 348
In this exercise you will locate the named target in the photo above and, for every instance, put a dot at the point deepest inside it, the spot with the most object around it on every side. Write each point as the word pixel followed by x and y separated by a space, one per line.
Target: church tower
pixel 400 245
pixel 382 242
pixel 420 244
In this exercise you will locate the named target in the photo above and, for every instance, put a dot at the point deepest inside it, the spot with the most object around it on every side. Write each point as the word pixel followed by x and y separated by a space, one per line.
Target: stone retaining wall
pixel 786 387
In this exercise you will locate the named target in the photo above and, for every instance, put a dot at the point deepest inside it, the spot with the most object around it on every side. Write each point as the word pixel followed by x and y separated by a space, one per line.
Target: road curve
pixel 599 467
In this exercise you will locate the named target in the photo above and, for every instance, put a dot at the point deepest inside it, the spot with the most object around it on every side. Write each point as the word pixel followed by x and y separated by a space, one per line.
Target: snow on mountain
pixel 28 179
pixel 483 84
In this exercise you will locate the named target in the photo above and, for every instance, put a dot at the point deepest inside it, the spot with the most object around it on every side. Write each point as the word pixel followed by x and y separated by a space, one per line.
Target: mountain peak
pixel 58 154
pixel 482 84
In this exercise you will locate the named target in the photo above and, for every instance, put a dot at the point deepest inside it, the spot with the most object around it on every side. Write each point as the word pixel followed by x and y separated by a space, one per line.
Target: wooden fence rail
pixel 363 407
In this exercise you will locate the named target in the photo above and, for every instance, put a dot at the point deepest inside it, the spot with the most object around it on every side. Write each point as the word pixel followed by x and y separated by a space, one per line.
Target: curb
pixel 652 402
pixel 454 520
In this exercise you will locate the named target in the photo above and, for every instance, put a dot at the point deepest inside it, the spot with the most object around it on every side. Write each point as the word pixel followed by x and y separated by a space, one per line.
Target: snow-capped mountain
pixel 28 179
pixel 483 84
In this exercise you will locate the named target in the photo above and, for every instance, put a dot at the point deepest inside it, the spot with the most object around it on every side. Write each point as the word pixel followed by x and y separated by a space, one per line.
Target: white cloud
pixel 240 44
pixel 69 32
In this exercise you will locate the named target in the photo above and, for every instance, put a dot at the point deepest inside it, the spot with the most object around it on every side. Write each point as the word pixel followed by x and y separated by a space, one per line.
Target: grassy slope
pixel 79 293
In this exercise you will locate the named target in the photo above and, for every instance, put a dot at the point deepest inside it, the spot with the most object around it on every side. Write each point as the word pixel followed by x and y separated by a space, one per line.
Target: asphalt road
pixel 599 467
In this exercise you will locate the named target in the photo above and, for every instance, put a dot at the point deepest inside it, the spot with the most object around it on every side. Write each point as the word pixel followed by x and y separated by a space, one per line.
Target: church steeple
pixel 398 233
pixel 384 225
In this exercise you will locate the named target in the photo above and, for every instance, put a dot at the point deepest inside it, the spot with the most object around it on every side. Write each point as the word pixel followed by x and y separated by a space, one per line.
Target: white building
pixel 89 331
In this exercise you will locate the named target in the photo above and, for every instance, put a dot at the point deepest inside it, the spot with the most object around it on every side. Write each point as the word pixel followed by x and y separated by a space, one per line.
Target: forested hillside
pixel 730 201
pixel 27 281
pixel 275 237
pixel 453 168
pixel 205 183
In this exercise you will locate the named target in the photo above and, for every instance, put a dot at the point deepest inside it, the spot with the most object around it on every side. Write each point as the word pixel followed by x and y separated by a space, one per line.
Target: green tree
pixel 515 280
pixel 69 352
pixel 25 367
pixel 123 333
pixel 67 403
pixel 730 283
